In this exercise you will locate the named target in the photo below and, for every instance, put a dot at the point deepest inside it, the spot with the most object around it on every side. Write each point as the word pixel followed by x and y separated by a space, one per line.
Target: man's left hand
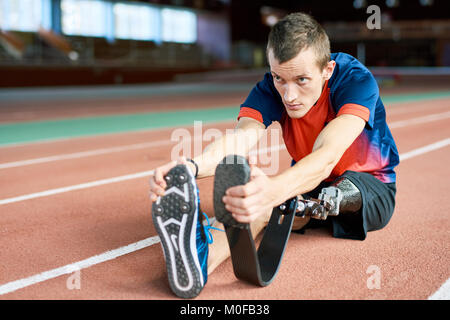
pixel 254 200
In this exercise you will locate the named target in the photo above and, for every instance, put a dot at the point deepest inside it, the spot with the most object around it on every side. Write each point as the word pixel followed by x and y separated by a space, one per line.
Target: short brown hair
pixel 295 32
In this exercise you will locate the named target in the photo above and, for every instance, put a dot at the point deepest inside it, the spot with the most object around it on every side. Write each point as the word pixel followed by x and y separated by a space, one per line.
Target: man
pixel 334 127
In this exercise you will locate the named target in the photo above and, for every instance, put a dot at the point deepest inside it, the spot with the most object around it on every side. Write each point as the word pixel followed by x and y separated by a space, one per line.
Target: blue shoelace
pixel 208 228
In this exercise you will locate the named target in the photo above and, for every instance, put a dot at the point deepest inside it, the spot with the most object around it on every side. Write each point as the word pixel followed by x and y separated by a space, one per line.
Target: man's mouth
pixel 293 107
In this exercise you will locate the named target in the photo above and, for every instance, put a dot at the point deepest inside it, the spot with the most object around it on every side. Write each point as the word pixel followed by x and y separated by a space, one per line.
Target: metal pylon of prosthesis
pixel 326 205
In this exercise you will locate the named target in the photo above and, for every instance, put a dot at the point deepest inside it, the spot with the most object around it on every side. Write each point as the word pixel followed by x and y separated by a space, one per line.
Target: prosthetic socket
pixel 342 197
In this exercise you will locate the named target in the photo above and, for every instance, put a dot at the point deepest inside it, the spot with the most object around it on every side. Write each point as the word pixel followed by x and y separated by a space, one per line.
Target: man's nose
pixel 290 94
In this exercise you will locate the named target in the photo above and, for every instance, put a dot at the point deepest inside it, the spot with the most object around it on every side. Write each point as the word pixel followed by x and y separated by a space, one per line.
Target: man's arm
pixel 328 149
pixel 263 193
pixel 246 135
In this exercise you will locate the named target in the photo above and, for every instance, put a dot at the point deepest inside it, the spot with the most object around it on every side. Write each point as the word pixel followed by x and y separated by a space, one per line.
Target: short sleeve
pixel 263 103
pixel 357 96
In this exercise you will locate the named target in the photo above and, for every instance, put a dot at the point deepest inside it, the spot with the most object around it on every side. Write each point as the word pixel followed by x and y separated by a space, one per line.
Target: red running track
pixel 39 236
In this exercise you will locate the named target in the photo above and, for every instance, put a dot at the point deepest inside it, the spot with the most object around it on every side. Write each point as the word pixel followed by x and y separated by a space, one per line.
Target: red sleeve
pixel 356 110
pixel 250 113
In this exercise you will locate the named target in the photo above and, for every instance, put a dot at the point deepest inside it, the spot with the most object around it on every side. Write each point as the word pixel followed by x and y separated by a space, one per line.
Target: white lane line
pixel 83 154
pixel 97 183
pixel 443 293
pixel 76 187
pixel 78 155
pixel 109 255
pixel 425 149
pixel 89 153
pixel 424 119
pixel 47 275
pixel 404 156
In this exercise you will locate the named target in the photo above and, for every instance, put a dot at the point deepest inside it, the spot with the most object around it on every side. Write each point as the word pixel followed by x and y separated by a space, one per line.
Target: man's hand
pixel 254 200
pixel 157 182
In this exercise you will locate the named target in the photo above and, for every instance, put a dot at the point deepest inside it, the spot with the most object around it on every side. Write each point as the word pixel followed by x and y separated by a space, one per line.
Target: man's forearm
pixel 240 142
pixel 328 149
pixel 209 159
pixel 305 175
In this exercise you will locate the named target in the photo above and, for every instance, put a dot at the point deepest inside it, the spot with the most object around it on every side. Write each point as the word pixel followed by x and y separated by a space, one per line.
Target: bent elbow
pixel 331 160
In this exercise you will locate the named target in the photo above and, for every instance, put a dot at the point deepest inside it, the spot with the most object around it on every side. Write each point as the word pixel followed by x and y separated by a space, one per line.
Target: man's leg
pixel 367 205
pixel 376 207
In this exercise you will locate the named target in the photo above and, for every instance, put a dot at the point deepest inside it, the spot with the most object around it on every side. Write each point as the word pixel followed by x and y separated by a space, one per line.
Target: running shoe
pixel 179 222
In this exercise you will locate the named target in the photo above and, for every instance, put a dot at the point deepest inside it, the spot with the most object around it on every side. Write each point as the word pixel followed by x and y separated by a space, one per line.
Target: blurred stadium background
pixel 86 42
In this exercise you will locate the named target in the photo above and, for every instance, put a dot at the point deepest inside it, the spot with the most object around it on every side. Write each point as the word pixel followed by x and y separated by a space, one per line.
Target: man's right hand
pixel 157 182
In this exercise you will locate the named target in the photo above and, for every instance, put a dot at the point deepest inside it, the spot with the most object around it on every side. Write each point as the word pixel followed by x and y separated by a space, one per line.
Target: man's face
pixel 299 81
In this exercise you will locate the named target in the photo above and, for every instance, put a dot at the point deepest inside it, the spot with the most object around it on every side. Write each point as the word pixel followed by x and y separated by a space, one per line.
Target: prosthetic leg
pixel 257 266
pixel 260 266
pixel 342 197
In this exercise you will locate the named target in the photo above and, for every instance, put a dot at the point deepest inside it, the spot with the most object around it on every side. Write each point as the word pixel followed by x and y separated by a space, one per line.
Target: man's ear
pixel 328 70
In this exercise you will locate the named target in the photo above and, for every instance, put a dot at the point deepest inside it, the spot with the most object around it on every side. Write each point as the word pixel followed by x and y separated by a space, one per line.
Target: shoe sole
pixel 234 170
pixel 175 218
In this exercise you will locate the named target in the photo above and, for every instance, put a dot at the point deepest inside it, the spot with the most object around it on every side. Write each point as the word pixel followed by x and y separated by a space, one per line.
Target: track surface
pixel 82 233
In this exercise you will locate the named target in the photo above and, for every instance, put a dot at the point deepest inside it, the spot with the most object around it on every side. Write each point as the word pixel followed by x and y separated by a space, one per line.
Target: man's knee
pixel 350 201
pixel 382 209
pixel 368 204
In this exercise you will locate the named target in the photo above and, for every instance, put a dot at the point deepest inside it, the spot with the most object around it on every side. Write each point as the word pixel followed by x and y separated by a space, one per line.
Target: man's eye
pixel 277 78
pixel 302 80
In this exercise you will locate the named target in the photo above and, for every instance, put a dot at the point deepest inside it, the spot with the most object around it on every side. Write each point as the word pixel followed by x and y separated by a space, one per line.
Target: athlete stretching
pixel 334 127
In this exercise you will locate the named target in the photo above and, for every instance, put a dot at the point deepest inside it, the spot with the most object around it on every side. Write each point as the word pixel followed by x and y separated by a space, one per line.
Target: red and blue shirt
pixel 352 89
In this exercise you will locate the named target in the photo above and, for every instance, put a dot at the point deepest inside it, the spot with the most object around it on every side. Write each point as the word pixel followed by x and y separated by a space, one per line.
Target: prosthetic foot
pixel 342 197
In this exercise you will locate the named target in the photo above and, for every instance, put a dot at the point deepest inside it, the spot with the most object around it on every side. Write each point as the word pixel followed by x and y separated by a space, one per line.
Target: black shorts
pixel 378 203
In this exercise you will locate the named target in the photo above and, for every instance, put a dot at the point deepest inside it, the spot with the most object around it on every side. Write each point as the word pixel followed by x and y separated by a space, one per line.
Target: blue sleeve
pixel 264 98
pixel 358 91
